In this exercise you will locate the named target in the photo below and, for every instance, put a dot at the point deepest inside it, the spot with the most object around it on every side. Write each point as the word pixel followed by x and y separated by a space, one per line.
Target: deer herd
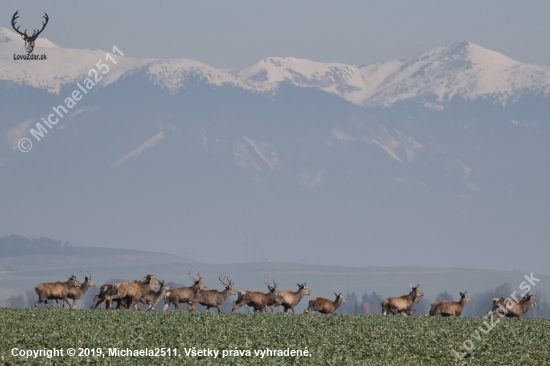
pixel 128 295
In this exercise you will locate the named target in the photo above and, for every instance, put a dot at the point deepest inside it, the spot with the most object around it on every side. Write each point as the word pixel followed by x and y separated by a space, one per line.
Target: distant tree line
pixel 17 245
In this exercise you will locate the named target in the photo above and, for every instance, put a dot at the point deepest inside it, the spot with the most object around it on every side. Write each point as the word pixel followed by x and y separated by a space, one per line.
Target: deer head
pixel 269 287
pixel 416 290
pixel 228 285
pixel 197 282
pixel 29 40
pixel 340 297
pixel 464 295
pixel 88 279
pixel 304 287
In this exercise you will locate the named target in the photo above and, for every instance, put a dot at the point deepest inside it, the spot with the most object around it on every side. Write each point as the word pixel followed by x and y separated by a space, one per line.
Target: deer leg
pixel 235 306
pixel 219 309
pixel 293 311
pixel 67 301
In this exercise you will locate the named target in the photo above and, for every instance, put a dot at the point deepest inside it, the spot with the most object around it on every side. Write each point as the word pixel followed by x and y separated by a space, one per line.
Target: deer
pixel 104 297
pixel 184 295
pixel 402 304
pixel 450 308
pixel 325 306
pixel 512 309
pixel 130 292
pixel 152 298
pixel 291 299
pixel 258 300
pixel 29 40
pixel 214 298
pixel 75 293
pixel 55 290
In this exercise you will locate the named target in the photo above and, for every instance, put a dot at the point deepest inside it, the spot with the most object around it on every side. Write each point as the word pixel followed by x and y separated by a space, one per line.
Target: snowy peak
pixel 431 79
pixel 463 69
pixel 335 78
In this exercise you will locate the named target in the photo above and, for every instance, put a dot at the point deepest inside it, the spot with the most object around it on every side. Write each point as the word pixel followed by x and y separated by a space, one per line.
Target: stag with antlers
pixel 131 292
pixel 402 304
pixel 325 306
pixel 183 295
pixel 258 300
pixel 215 298
pixel 75 293
pixel 55 290
pixel 29 40
pixel 291 298
pixel 512 309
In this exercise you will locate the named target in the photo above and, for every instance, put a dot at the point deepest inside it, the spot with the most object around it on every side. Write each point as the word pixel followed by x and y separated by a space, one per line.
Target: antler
pixel 13 19
pixel 223 283
pixel 194 279
pixel 90 275
pixel 34 34
pixel 229 282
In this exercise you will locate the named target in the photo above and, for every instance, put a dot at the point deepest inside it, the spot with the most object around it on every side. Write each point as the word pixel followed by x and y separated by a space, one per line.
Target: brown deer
pixel 55 290
pixel 510 308
pixel 130 292
pixel 291 299
pixel 450 308
pixel 104 297
pixel 325 306
pixel 214 298
pixel 402 304
pixel 152 298
pixel 258 300
pixel 75 293
pixel 183 295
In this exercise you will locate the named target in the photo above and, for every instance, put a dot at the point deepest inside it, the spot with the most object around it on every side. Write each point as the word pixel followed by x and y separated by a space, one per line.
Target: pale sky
pixel 234 34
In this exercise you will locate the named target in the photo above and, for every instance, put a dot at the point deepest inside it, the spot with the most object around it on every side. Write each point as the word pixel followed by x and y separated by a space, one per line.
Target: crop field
pixel 320 339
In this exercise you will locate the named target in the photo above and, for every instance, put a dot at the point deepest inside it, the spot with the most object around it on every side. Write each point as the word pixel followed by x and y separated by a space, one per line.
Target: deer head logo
pixel 29 40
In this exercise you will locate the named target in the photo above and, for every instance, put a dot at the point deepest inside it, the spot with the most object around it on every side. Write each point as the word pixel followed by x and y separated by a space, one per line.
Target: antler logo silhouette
pixel 29 40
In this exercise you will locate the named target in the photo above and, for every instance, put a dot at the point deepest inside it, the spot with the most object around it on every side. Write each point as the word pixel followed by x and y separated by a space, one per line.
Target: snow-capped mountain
pixel 448 146
pixel 431 79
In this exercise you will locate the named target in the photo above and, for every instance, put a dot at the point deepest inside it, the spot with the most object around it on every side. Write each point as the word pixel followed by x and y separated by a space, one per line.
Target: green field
pixel 330 339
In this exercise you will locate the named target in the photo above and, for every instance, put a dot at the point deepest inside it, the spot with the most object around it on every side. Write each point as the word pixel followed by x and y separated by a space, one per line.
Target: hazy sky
pixel 233 34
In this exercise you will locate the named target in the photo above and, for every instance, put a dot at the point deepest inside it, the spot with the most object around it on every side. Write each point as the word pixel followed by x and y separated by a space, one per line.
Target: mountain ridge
pixel 432 78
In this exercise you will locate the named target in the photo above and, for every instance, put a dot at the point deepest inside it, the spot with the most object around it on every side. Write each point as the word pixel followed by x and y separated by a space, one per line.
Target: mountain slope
pixel 431 79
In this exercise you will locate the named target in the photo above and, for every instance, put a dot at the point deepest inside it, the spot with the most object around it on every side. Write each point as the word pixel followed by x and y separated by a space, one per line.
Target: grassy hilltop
pixel 331 340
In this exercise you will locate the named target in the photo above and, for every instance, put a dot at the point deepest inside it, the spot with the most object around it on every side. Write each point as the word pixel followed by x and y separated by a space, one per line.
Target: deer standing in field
pixel 152 298
pixel 510 308
pixel 214 298
pixel 55 290
pixel 258 300
pixel 402 304
pixel 75 293
pixel 130 292
pixel 325 306
pixel 184 295
pixel 291 299
pixel 450 308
